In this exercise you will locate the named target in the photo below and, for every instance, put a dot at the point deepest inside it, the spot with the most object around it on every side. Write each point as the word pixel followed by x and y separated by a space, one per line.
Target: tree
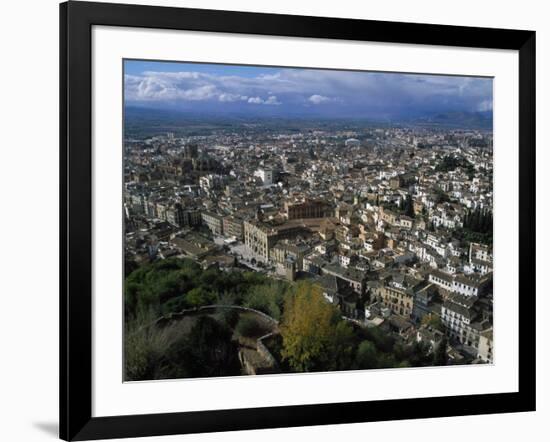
pixel 434 321
pixel 479 220
pixel 144 346
pixel 268 298
pixel 341 347
pixel 441 196
pixel 314 335
pixel 367 356
pixel 440 354
pixel 477 227
pixel 383 341
pixel 199 296
pixel 129 266
pixel 409 207
pixel 419 355
pixel 153 284
pixel 176 304
pixel 206 351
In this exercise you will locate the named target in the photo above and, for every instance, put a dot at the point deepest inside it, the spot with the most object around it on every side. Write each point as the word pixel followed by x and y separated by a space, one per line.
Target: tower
pixel 290 269
pixel 190 151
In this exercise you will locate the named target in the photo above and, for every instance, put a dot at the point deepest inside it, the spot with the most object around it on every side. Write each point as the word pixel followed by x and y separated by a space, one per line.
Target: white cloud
pixel 186 86
pixel 485 105
pixel 229 98
pixel 199 93
pixel 271 100
pixel 318 99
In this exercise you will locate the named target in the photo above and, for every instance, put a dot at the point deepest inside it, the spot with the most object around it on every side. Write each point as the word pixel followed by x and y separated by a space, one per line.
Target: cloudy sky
pixel 285 91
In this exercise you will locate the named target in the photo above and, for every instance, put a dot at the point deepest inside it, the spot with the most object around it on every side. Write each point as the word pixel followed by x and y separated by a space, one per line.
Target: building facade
pixel 214 222
pixel 307 209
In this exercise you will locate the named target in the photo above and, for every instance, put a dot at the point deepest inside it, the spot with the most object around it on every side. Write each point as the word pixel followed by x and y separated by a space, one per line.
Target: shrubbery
pixel 314 335
pixel 316 338
pixel 172 285
pixel 154 352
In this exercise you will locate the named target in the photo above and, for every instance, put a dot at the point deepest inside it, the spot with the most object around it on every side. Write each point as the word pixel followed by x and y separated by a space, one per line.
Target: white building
pixel 266 175
pixel 468 286
pixel 485 349
pixel 211 182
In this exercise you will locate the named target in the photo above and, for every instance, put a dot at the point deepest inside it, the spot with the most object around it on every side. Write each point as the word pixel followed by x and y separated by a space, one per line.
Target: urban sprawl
pixel 392 224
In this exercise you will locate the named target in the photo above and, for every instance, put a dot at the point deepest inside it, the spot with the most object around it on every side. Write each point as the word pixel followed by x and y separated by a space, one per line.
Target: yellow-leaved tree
pixel 315 337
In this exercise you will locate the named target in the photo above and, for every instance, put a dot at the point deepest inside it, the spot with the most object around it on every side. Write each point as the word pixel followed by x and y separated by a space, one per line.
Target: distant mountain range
pixel 142 119
pixel 465 120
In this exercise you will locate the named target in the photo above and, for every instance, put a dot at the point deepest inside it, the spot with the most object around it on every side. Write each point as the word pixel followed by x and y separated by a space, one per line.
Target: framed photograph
pixel 272 221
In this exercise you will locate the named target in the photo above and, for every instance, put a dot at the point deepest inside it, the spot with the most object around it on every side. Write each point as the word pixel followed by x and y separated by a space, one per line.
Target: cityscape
pixel 289 220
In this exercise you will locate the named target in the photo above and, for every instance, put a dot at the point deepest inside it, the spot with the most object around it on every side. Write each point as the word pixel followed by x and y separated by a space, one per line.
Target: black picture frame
pixel 76 21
